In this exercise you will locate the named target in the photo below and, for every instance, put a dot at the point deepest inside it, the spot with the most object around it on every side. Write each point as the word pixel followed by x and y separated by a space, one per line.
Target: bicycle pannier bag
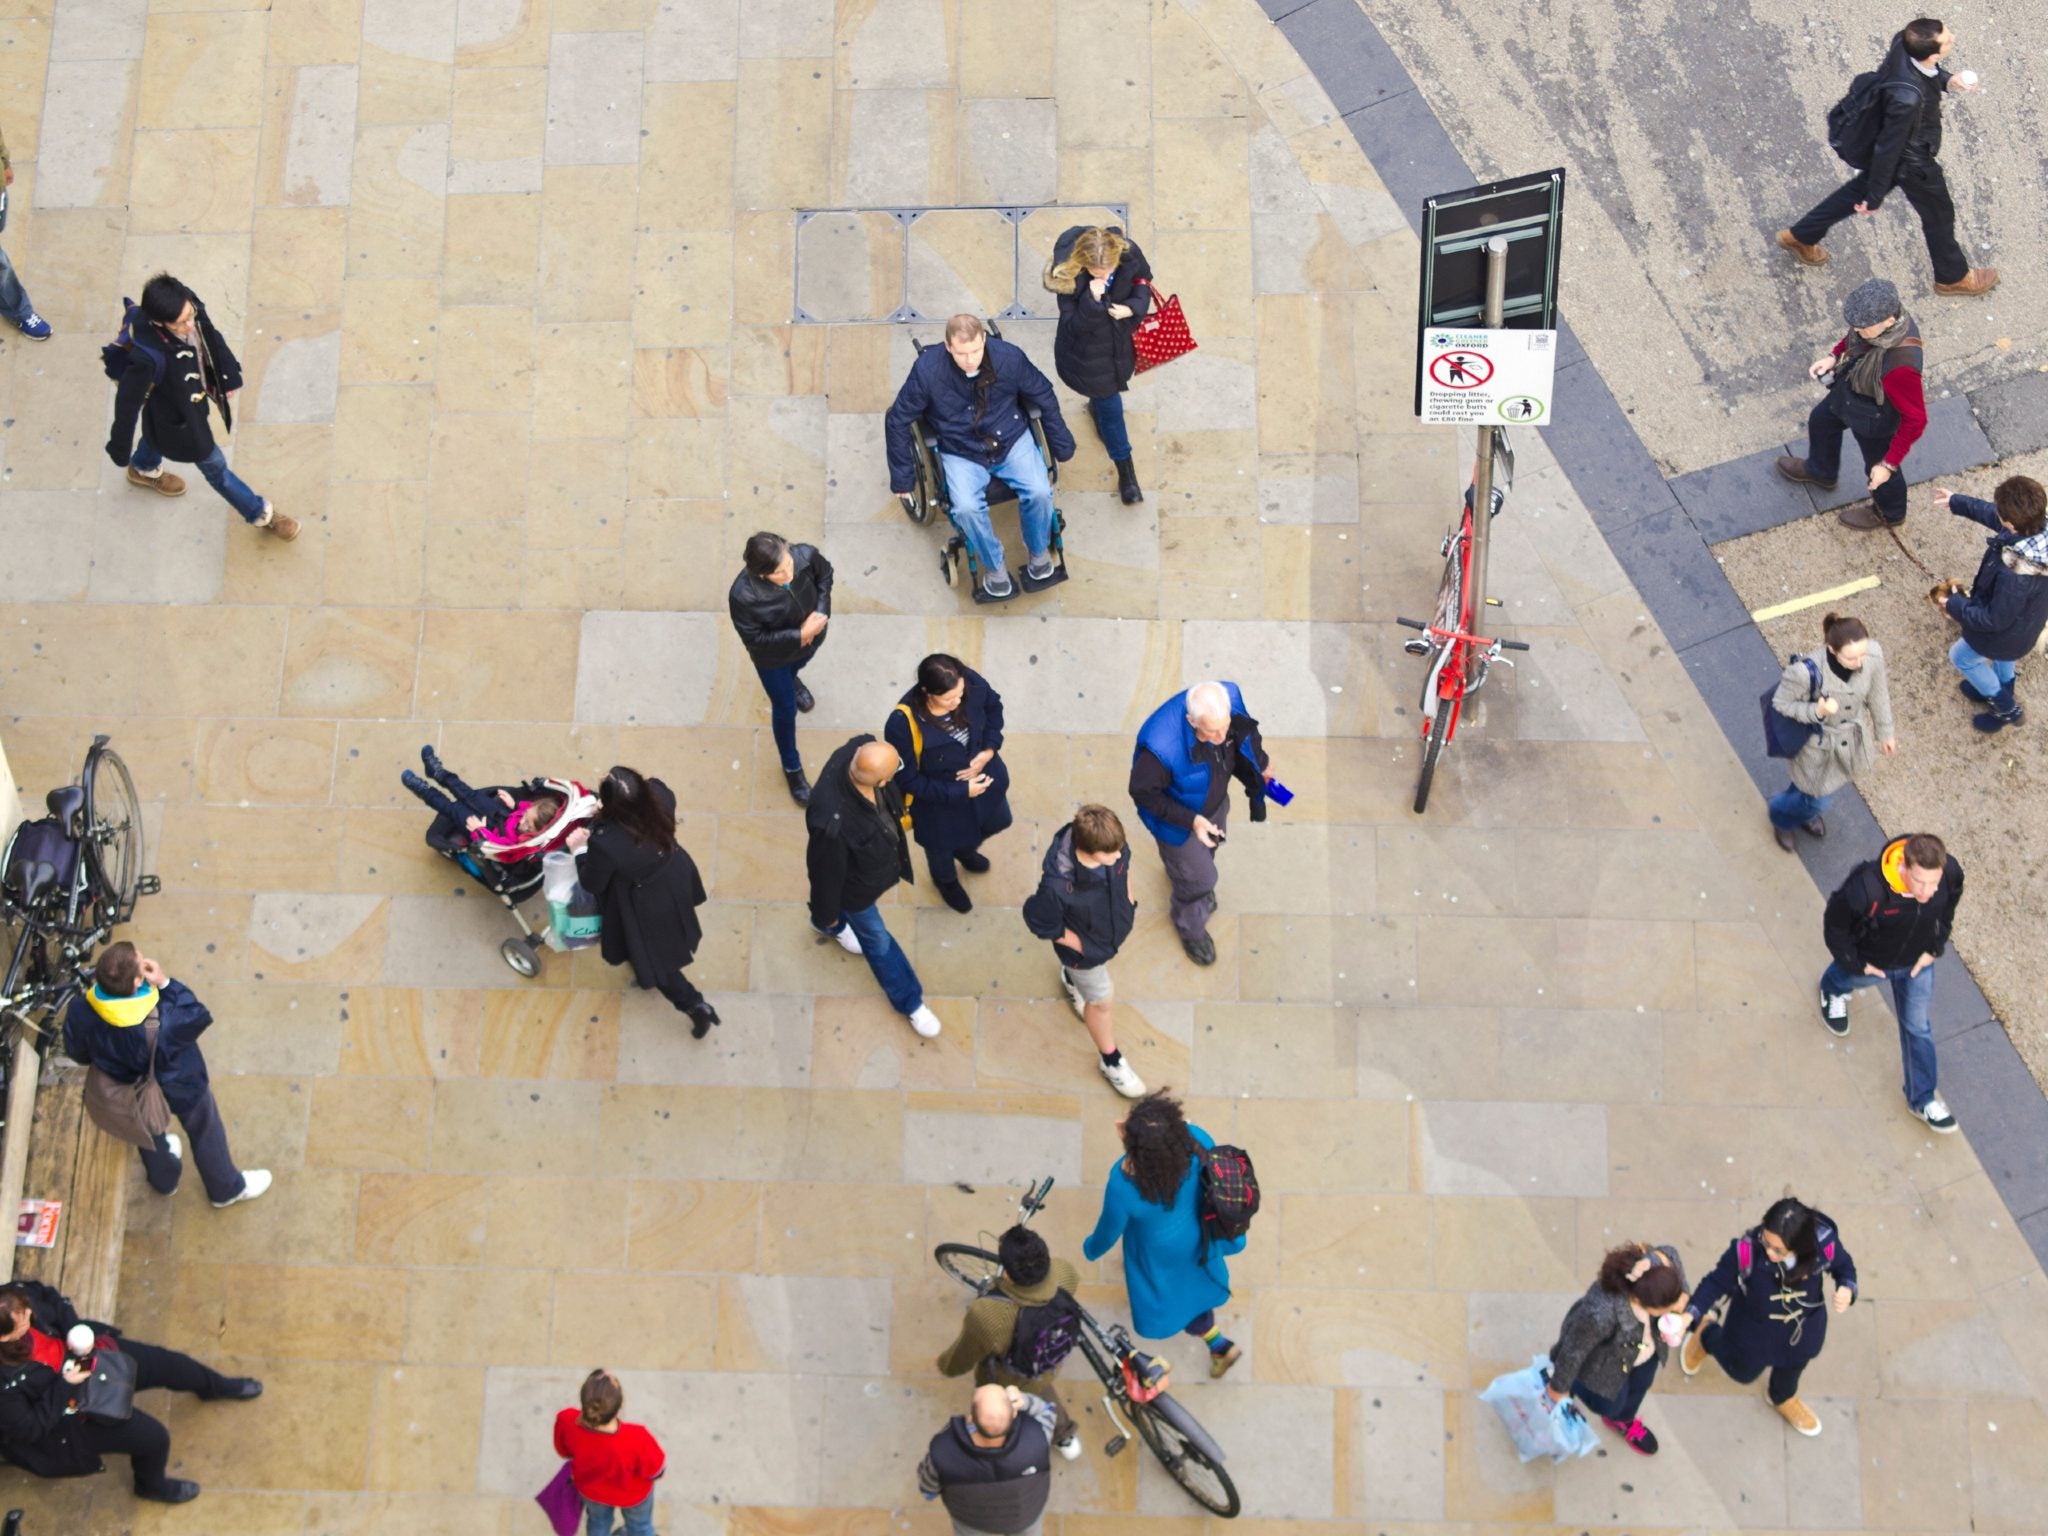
pixel 132 1112
pixel 1784 736
pixel 1228 1198
pixel 1045 1336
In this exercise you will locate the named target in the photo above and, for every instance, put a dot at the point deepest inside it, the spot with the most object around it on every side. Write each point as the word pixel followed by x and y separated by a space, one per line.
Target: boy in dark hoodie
pixel 2006 606
pixel 1083 904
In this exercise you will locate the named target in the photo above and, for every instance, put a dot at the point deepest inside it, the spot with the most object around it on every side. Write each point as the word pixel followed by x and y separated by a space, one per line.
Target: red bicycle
pixel 1461 657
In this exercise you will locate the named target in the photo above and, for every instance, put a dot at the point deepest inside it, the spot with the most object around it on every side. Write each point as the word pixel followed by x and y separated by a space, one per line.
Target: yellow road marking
pixel 1815 599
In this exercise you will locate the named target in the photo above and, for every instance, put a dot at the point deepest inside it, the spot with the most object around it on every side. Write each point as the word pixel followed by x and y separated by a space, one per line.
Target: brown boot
pixel 1861 516
pixel 1694 1355
pixel 1978 280
pixel 1794 468
pixel 1799 1416
pixel 276 524
pixel 163 482
pixel 1811 255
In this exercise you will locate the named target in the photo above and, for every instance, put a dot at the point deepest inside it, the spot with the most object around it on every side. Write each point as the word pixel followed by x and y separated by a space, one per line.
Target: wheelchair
pixel 929 493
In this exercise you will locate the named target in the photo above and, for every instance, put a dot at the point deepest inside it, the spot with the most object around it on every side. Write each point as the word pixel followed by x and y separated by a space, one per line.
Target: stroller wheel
pixel 520 957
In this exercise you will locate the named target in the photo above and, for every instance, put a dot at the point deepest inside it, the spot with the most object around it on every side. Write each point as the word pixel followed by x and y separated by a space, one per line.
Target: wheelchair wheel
pixel 930 487
pixel 1052 466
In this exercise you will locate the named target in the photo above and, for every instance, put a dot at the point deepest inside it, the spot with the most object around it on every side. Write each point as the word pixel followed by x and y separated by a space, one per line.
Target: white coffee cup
pixel 1672 1326
pixel 80 1340
pixel 1969 79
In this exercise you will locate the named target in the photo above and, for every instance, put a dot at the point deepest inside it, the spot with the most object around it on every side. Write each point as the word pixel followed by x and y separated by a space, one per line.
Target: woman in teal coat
pixel 1149 1202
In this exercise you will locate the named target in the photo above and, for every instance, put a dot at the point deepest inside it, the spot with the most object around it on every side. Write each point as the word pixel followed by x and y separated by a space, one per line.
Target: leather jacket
pixel 769 617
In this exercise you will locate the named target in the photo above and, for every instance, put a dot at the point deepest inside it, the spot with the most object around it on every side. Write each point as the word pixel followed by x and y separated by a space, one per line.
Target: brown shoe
pixel 1818 827
pixel 1799 1416
pixel 1862 516
pixel 1978 280
pixel 1794 468
pixel 278 525
pixel 1785 839
pixel 163 482
pixel 1218 1364
pixel 1694 1355
pixel 1811 255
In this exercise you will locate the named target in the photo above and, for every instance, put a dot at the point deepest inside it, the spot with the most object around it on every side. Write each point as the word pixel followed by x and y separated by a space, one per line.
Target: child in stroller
pixel 503 828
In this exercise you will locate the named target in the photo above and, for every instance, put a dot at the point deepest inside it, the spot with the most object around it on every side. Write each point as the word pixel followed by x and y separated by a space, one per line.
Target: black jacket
pixel 173 413
pixel 1910 133
pixel 2007 606
pixel 1095 903
pixel 857 850
pixel 648 899
pixel 1092 350
pixel 122 1051
pixel 35 1431
pixel 942 813
pixel 945 399
pixel 768 617
pixel 1000 1489
pixel 1774 1319
pixel 1869 923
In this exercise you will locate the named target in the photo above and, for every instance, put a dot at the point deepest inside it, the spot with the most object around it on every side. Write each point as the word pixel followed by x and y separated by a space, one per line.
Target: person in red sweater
pixel 1873 380
pixel 612 1463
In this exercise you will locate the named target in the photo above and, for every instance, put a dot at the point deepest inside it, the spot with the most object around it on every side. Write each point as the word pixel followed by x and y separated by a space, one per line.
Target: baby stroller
pixel 514 874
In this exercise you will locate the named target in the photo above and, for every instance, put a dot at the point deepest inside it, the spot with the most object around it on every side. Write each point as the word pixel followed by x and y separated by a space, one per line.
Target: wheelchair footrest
pixel 1032 583
pixel 981 593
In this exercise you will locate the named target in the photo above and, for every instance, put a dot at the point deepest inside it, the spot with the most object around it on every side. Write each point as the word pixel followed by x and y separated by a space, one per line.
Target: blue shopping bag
pixel 1538 1426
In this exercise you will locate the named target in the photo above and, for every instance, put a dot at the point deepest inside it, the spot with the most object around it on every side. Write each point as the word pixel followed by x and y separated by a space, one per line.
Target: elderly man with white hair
pixel 992 1465
pixel 1188 752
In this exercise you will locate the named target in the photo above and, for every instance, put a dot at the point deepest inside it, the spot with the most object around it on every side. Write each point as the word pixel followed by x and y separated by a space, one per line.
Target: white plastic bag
pixel 1538 1426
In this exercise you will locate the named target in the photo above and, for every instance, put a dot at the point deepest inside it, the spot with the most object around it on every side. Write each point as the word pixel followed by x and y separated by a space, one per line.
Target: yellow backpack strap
pixel 916 754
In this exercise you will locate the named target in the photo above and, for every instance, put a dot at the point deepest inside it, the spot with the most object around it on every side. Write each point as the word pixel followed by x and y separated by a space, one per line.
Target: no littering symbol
pixel 1461 370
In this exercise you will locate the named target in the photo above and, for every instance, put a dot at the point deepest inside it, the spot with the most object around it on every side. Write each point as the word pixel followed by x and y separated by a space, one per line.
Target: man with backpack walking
pixel 1022 1332
pixel 1888 128
pixel 14 303
pixel 168 363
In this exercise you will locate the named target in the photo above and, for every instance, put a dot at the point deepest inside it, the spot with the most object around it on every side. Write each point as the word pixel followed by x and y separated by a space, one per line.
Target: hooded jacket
pixel 857 849
pixel 1873 919
pixel 1000 1489
pixel 1775 1319
pixel 769 618
pixel 2006 607
pixel 106 1032
pixel 1095 903
pixel 1092 351
pixel 173 411
pixel 977 419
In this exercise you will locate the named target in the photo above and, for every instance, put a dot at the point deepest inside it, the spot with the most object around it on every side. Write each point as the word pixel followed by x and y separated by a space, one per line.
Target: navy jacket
pixel 942 813
pixel 1774 1320
pixel 1095 903
pixel 944 398
pixel 122 1052
pixel 2006 609
pixel 200 372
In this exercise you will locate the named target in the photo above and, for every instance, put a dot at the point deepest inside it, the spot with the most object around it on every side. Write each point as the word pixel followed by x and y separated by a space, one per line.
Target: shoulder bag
pixel 132 1112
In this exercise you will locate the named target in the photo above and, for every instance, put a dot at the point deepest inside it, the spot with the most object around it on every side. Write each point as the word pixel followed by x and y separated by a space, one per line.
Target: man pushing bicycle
pixel 1021 1333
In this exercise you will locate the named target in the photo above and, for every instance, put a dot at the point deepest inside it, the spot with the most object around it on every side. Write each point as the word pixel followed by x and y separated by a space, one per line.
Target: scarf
pixel 1867 362
pixel 123 1012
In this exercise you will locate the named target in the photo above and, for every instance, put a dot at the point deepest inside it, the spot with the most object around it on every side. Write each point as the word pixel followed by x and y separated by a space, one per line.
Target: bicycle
pixel 1130 1379
pixel 1462 656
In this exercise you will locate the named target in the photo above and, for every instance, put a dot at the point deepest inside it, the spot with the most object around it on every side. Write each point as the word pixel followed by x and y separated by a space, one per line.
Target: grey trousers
pixel 1192 869
pixel 206 1144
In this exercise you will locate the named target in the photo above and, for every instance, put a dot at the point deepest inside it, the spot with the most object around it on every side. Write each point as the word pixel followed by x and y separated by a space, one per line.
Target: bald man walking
pixel 1188 751
pixel 991 1465
pixel 857 854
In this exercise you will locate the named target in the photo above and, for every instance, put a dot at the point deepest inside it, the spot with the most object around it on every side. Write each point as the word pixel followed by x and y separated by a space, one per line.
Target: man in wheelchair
pixel 975 399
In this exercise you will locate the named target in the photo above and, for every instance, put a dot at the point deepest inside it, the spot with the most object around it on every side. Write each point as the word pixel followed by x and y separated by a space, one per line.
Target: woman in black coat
pixel 947 731
pixel 647 890
pixel 1104 289
pixel 41 1428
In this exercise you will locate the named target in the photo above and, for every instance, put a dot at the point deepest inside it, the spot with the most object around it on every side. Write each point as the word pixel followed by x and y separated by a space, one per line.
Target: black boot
pixel 2005 710
pixel 799 786
pixel 172 1490
pixel 1127 482
pixel 702 1017
pixel 804 702
pixel 431 760
pixel 956 896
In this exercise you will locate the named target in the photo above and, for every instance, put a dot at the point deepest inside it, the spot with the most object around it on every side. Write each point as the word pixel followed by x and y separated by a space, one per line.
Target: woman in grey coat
pixel 1842 688
pixel 1614 1338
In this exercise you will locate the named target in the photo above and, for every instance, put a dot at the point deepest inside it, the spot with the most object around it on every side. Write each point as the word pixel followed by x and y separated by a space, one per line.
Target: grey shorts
pixel 1092 983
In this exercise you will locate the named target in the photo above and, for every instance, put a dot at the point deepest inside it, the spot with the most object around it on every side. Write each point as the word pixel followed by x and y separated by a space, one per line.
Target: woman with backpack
pixel 1152 1202
pixel 1777 1313
pixel 1616 1336
pixel 1843 692
pixel 1104 287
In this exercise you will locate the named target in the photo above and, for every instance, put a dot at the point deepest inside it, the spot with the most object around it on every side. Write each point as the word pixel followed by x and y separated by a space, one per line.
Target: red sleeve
pixel 562 1422
pixel 651 1458
pixel 1902 388
pixel 1841 346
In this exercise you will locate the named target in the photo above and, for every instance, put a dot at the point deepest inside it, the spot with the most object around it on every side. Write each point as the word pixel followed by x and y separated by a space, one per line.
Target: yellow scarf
pixel 123 1012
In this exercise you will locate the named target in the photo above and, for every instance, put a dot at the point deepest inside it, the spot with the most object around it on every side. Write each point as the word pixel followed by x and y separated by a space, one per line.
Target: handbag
pixel 1784 736
pixel 1163 334
pixel 108 1394
pixel 132 1112
pixel 561 1501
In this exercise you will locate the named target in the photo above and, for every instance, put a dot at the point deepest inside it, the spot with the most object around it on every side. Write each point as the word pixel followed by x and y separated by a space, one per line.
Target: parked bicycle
pixel 1134 1384
pixel 1461 658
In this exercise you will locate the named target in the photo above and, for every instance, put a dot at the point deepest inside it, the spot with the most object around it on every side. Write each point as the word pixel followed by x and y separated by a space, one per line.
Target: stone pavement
pixel 514 285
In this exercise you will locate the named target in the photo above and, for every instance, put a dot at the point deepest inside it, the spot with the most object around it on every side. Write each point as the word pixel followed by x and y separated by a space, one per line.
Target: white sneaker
pixel 1834 1011
pixel 1074 994
pixel 254 1182
pixel 1069 1448
pixel 176 1147
pixel 847 940
pixel 1937 1116
pixel 1122 1078
pixel 924 1021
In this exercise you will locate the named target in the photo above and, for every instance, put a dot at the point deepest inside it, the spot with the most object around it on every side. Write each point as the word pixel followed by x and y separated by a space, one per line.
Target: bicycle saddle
pixel 34 876
pixel 65 804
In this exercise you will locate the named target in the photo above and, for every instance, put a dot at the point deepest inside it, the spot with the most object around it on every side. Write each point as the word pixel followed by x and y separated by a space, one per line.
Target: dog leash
pixel 1892 529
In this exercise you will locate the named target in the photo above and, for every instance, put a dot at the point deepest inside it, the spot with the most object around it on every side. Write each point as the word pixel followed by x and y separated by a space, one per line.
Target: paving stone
pixel 594 99
pixel 1010 151
pixel 1397 1468
pixel 1741 497
pixel 620 656
pixel 1518 1149
pixel 1280 1430
pixel 766 1042
pixel 806 1324
pixel 1987 1087
pixel 97 29
pixel 81 147
pixel 941 1148
pixel 1954 441
pixel 1677 575
pixel 1721 1456
pixel 1354 65
pixel 302 381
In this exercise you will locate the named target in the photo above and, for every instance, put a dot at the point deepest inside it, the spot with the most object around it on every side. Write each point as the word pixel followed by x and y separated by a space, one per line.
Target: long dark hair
pixel 626 802
pixel 939 673
pixel 1796 1224
pixel 1158 1147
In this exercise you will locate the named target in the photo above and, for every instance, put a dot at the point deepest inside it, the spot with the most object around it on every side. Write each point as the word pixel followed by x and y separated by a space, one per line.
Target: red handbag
pixel 1163 334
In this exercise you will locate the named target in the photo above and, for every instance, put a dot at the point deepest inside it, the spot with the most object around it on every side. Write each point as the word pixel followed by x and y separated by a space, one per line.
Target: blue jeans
pixel 215 468
pixel 885 958
pixel 1023 471
pixel 1988 677
pixel 1626 1408
pixel 1794 807
pixel 1910 996
pixel 597 1518
pixel 779 683
pixel 14 302
pixel 1109 421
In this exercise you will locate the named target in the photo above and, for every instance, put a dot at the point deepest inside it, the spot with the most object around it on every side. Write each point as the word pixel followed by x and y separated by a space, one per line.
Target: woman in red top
pixel 613 1464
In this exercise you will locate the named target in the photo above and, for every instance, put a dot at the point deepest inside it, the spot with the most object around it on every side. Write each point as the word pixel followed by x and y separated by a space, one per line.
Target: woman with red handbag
pixel 1104 289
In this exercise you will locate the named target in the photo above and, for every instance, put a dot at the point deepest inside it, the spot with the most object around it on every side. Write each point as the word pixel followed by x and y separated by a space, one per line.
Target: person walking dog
pixel 1083 904
pixel 613 1464
pixel 780 603
pixel 1894 117
pixel 2006 607
pixel 1874 392
pixel 948 730
pixel 1889 922
pixel 1609 1350
pixel 1776 1317
pixel 1843 691
pixel 1104 287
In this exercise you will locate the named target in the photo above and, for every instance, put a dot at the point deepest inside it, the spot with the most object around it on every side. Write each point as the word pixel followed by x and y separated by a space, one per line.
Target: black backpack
pixel 1046 1334
pixel 1854 121
pixel 1228 1197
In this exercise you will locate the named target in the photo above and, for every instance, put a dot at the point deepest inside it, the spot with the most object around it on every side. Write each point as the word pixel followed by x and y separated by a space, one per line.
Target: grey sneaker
pixel 997 583
pixel 1039 566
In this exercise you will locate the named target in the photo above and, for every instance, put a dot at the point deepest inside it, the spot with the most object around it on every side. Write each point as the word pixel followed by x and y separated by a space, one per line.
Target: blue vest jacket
pixel 1167 735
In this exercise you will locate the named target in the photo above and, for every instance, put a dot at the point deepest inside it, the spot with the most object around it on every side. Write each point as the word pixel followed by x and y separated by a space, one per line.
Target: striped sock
pixel 1216 1341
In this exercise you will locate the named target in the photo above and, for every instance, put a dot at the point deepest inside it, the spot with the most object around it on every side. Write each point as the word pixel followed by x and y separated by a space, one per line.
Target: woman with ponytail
pixel 1614 1338
pixel 1844 692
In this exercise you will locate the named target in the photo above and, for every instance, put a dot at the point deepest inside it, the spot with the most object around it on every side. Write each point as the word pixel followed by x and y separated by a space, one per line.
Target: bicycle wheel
pixel 975 1268
pixel 113 833
pixel 1187 1463
pixel 1432 749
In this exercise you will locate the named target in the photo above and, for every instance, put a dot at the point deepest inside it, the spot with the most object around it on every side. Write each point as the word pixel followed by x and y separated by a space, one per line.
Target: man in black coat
pixel 170 363
pixel 992 1466
pixel 780 603
pixel 109 1026
pixel 2006 607
pixel 857 854
pixel 1910 84
pixel 1890 922
pixel 1083 904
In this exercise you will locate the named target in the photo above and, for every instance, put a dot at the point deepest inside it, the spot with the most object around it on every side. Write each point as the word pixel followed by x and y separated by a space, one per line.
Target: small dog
pixel 1942 591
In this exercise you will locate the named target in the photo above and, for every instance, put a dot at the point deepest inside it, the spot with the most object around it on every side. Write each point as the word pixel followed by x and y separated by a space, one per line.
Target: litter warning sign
pixel 1477 377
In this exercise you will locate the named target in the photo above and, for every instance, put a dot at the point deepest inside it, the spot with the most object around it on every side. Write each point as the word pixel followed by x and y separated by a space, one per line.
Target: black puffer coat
pixel 35 1431
pixel 1092 351
pixel 649 899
